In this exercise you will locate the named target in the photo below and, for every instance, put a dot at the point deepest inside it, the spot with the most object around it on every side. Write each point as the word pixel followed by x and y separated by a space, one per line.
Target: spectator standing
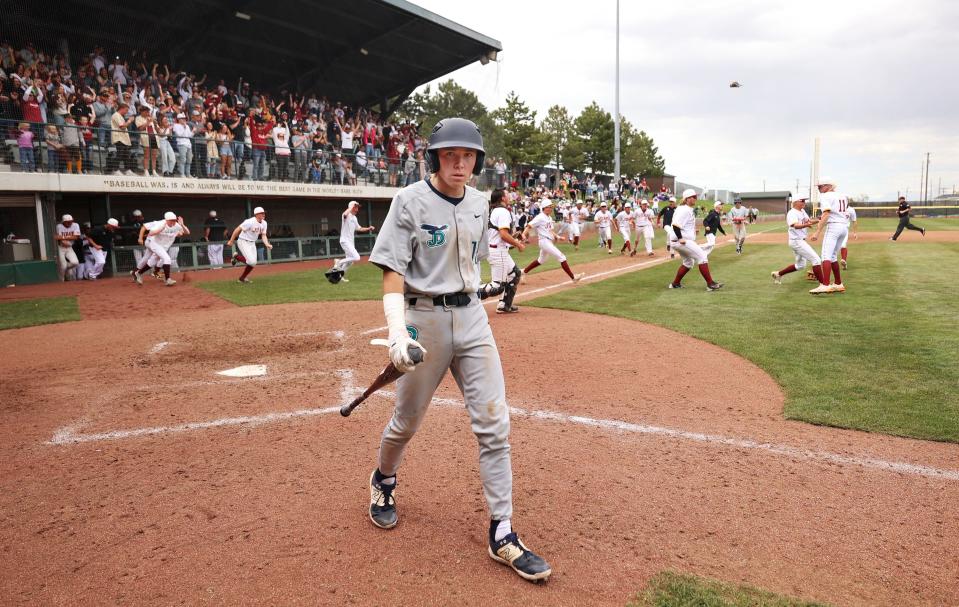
pixel 214 232
pixel 500 168
pixel 103 111
pixel 212 151
pixel 199 143
pixel 299 142
pixel 25 145
pixel 280 136
pixel 260 135
pixel 184 143
pixel 164 134
pixel 224 141
pixel 72 144
pixel 146 126
pixel 120 138
pixel 55 148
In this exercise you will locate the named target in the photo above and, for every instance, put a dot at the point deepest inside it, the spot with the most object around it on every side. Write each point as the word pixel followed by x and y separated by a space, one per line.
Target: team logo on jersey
pixel 437 234
pixel 413 331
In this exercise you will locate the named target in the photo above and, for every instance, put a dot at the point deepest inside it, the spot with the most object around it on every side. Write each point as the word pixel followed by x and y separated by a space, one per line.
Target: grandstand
pixel 228 105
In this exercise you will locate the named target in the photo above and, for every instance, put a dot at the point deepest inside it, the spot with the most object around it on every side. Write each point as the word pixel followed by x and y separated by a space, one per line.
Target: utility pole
pixel 927 177
pixel 922 181
pixel 814 194
pixel 616 174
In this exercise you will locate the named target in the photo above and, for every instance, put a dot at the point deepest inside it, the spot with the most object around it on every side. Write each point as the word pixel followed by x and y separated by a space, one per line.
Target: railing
pixel 196 256
pixel 174 157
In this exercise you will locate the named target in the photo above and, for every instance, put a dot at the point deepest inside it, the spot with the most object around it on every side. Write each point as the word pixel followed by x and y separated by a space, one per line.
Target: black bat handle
pixel 416 355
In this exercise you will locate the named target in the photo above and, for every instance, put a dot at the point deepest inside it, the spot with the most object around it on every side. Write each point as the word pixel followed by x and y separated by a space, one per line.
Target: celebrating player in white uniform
pixel 546 237
pixel 798 222
pixel 604 222
pixel 739 216
pixel 854 224
pixel 643 222
pixel 832 207
pixel 500 236
pixel 245 235
pixel 159 238
pixel 429 248
pixel 349 226
pixel 67 232
pixel 578 217
pixel 624 223
pixel 684 243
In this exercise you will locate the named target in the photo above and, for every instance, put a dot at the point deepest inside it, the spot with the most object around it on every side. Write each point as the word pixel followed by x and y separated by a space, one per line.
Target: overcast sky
pixel 877 81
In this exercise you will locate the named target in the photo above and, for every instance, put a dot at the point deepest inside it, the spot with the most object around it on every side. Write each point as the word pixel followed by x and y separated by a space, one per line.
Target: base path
pixel 142 476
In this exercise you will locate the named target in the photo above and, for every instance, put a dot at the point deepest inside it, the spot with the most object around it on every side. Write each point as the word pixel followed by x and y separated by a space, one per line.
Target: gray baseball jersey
pixel 434 241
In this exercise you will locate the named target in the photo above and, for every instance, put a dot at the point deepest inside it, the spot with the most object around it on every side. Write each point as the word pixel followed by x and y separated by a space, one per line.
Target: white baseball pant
pixel 606 233
pixel 575 229
pixel 739 229
pixel 174 252
pixel 710 242
pixel 626 235
pixel 247 250
pixel 500 263
pixel 832 240
pixel 804 253
pixel 547 249
pixel 215 254
pixel 845 241
pixel 648 235
pixel 66 260
pixel 350 256
pixel 159 255
pixel 83 269
pixel 98 259
pixel 691 253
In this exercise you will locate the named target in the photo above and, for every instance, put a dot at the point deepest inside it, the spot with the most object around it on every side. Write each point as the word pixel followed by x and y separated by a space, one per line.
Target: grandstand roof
pixel 361 52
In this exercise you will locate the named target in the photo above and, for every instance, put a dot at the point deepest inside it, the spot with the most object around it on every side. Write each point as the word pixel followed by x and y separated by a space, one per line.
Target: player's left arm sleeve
pixel 483 251
pixel 393 249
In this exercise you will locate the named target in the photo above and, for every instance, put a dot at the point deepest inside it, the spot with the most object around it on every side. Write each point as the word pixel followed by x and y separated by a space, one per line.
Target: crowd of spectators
pixel 127 115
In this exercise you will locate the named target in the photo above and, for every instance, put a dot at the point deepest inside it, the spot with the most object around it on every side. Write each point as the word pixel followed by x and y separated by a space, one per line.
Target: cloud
pixel 875 81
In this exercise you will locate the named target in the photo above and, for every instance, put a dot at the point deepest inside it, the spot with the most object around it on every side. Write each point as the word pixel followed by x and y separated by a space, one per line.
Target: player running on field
pixel 349 226
pixel 711 224
pixel 245 235
pixel 159 238
pixel 684 243
pixel 903 213
pixel 429 248
pixel 643 222
pixel 624 223
pixel 577 220
pixel 543 224
pixel 832 206
pixel 604 222
pixel 854 229
pixel 502 266
pixel 798 222
pixel 666 220
pixel 739 215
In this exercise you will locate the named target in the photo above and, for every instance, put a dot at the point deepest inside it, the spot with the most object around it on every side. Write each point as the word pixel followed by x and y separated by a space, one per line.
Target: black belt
pixel 450 300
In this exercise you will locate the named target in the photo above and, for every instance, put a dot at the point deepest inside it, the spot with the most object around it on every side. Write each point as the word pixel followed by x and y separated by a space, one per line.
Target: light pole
pixel 616 173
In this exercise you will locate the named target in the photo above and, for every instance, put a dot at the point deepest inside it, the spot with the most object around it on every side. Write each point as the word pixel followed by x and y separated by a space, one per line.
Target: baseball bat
pixel 387 376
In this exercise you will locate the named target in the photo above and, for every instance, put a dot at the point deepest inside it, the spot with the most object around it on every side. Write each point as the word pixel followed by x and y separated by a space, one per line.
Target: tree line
pixel 580 143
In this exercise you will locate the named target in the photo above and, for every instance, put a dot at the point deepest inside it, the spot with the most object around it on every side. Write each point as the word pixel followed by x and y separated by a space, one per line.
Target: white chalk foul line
pixel 69 436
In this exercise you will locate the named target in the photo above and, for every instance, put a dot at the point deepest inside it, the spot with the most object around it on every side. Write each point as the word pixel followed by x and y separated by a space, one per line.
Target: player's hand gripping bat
pixel 387 376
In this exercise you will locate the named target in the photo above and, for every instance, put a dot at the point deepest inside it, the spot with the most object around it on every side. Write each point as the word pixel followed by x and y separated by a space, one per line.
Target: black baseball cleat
pixel 675 285
pixel 334 276
pixel 508 310
pixel 714 286
pixel 233 259
pixel 382 504
pixel 511 551
pixel 924 231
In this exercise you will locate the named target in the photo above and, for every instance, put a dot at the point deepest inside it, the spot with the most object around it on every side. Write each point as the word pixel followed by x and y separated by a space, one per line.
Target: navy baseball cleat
pixel 714 286
pixel 675 285
pixel 511 551
pixel 382 504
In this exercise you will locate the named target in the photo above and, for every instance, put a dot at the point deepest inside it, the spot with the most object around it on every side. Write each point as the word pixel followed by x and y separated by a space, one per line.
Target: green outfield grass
pixel 881 357
pixel 30 312
pixel 366 279
pixel 681 590
pixel 881 224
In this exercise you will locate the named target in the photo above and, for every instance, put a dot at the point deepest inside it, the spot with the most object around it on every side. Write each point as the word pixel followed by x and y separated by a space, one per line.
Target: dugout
pixel 768 202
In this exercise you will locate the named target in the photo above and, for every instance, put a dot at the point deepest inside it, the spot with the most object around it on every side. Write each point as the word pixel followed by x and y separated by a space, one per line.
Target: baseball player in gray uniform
pixel 429 249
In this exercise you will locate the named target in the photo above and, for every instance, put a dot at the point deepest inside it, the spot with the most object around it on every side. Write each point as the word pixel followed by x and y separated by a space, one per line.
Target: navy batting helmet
pixel 456 133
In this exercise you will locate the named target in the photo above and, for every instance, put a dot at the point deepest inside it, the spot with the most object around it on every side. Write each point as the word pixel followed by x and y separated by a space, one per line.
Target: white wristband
pixel 394 306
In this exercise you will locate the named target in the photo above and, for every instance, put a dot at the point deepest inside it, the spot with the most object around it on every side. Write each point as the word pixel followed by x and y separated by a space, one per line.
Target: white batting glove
pixel 400 353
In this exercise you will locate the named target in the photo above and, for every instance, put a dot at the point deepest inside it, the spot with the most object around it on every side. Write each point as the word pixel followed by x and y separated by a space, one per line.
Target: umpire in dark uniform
pixel 904 223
